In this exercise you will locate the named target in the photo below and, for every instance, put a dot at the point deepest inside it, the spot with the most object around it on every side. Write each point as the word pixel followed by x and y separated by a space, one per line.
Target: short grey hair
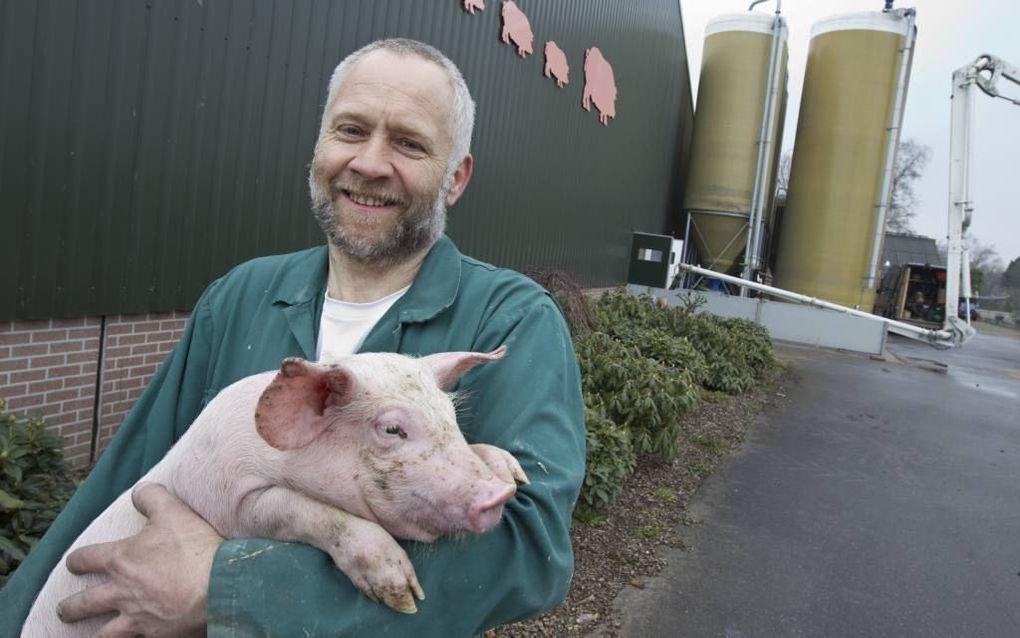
pixel 463 112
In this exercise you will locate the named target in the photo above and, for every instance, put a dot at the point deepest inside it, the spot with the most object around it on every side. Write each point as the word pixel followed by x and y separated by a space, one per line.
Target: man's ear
pixel 461 177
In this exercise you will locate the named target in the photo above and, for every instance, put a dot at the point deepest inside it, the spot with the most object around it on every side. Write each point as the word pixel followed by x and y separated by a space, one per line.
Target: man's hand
pixel 158 579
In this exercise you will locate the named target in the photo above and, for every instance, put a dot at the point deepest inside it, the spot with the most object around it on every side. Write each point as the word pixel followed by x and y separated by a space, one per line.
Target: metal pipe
pixel 779 5
pixel 943 337
pixel 895 123
pixel 766 132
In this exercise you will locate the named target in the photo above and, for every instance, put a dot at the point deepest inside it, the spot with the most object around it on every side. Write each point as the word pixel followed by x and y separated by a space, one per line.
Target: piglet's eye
pixel 396 430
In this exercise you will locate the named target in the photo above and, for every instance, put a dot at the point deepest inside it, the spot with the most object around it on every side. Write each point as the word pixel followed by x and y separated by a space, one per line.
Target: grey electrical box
pixel 653 260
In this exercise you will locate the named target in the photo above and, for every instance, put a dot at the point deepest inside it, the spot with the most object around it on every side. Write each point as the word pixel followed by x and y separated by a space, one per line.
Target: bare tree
pixel 986 267
pixel 911 159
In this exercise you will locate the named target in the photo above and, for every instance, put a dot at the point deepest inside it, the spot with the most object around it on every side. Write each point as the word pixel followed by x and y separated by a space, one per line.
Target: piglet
pixel 344 457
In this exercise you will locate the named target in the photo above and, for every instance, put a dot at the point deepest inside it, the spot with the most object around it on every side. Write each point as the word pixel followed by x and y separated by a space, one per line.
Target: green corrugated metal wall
pixel 147 147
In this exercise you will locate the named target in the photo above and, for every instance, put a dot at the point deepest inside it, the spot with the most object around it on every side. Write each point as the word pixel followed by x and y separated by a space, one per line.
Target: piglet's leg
pixel 363 550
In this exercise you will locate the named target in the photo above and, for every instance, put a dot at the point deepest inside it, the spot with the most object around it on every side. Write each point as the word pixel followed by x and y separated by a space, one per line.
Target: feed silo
pixel 737 132
pixel 855 83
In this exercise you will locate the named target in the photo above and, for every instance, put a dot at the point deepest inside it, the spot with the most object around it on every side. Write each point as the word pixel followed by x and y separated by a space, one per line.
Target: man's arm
pixel 530 404
pixel 159 417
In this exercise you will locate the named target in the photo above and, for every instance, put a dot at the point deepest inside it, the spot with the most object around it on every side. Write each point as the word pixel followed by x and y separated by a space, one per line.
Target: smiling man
pixel 393 153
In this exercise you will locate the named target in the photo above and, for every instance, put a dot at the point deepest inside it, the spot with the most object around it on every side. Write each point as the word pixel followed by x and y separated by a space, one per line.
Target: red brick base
pixel 49 369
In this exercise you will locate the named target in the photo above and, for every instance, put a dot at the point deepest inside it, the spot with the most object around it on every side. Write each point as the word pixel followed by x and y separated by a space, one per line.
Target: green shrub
pixel 35 483
pixel 610 458
pixel 639 393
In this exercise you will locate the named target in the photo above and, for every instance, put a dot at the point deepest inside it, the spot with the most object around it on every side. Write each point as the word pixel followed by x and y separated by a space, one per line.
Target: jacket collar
pixel 302 289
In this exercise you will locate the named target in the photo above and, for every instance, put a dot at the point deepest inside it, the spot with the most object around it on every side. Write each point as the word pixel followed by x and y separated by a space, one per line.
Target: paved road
pixel 880 499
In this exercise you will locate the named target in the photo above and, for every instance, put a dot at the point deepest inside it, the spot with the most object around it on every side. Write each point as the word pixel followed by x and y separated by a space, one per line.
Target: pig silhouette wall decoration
pixel 556 64
pixel 517 28
pixel 599 85
pixel 471 5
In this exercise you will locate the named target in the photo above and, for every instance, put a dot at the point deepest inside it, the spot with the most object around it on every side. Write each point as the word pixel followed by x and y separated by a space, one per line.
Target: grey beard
pixel 417 229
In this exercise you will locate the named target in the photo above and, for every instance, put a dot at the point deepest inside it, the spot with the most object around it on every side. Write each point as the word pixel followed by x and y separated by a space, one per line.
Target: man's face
pixel 380 177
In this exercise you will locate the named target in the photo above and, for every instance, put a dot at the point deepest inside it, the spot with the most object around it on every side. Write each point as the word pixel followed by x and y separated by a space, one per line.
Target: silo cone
pixel 831 214
pixel 727 128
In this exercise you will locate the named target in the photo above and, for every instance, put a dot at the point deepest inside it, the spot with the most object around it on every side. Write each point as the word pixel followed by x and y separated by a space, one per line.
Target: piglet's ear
pixel 289 412
pixel 447 367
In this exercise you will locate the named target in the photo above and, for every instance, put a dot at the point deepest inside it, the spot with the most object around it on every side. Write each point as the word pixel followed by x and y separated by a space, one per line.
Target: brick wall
pixel 49 369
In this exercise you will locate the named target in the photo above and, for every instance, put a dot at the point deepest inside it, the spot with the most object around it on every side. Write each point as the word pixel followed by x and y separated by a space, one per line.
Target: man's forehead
pixel 408 74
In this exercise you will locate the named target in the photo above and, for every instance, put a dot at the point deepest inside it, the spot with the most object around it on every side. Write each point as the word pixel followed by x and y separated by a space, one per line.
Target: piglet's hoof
pixel 377 566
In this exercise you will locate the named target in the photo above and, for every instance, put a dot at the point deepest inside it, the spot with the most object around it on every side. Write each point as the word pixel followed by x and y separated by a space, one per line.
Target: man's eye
pixel 349 130
pixel 411 145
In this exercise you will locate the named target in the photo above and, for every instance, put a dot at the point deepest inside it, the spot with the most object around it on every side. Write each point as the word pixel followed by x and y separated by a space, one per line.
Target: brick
pixel 82 357
pixel 61 395
pixel 82 333
pixel 144 349
pixel 4 380
pixel 131 340
pixel 113 375
pixel 90 367
pixel 166 346
pixel 67 323
pixel 18 404
pixel 75 404
pixel 133 382
pixel 5 352
pixel 48 361
pixel 45 336
pixel 109 397
pixel 60 419
pixel 146 326
pixel 116 352
pixel 30 350
pixel 91 344
pixel 86 415
pixel 157 337
pixel 14 338
pixel 46 386
pixel 60 372
pixel 11 391
pixel 67 346
pixel 152 363
pixel 13 365
pixel 82 380
pixel 93 321
pixel 130 362
pixel 118 329
pixel 28 375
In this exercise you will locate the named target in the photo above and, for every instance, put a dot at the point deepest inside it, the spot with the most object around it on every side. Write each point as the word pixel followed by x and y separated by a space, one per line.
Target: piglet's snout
pixel 487 507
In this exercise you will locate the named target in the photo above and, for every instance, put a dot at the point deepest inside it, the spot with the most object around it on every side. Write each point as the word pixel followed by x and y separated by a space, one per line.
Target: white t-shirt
pixel 344 325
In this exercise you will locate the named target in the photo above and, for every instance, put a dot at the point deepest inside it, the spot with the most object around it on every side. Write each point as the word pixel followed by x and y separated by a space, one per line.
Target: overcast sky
pixel 950 35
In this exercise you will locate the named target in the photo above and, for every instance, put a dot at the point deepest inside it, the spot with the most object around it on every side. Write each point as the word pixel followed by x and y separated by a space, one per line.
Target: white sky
pixel 950 35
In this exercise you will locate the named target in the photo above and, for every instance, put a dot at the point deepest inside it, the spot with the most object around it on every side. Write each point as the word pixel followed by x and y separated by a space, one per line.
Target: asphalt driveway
pixel 879 498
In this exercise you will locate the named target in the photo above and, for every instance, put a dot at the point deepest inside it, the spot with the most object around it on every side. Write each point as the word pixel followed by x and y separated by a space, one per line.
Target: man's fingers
pixel 152 498
pixel 91 559
pixel 119 627
pixel 94 601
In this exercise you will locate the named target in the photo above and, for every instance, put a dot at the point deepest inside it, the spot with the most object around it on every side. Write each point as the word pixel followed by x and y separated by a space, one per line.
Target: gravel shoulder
pixel 618 549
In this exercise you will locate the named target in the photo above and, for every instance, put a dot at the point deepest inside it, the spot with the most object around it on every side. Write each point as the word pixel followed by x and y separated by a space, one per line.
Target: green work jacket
pixel 528 403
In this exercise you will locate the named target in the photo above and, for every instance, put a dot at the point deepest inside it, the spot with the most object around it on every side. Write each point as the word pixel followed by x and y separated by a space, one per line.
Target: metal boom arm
pixel 983 73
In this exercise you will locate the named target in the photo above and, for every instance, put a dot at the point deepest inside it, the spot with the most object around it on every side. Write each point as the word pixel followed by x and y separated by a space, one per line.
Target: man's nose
pixel 373 159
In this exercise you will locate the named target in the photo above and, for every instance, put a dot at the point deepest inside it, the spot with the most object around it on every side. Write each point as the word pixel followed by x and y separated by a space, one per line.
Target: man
pixel 392 154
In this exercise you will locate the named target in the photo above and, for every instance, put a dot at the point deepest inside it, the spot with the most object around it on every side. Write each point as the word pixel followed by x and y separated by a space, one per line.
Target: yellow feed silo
pixel 736 73
pixel 838 187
